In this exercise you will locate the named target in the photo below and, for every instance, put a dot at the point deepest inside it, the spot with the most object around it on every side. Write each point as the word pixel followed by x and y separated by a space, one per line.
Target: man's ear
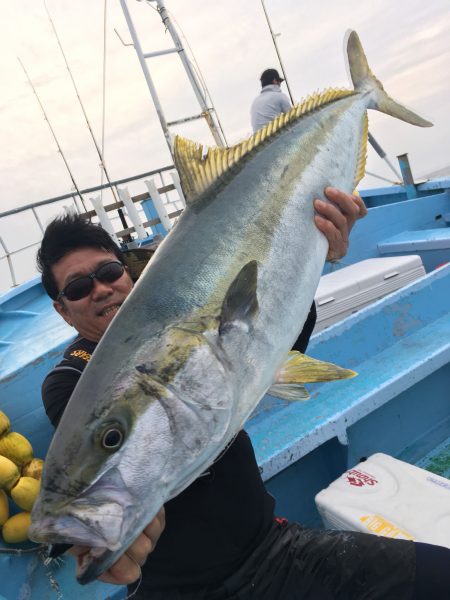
pixel 62 311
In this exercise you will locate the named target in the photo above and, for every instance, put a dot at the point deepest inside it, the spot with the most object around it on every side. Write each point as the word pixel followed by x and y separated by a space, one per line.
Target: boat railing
pixel 127 217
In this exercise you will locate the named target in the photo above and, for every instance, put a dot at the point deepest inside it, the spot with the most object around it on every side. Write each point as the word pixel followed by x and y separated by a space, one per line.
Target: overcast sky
pixel 407 43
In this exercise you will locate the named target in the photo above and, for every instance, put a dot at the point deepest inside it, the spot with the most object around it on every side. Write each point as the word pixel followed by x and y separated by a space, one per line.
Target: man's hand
pixel 336 218
pixel 128 568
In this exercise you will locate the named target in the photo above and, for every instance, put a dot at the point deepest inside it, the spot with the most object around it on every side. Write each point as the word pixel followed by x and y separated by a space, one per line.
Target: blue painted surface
pixel 151 213
pixel 397 193
pixel 34 337
pixel 386 221
pixel 414 241
pixel 399 346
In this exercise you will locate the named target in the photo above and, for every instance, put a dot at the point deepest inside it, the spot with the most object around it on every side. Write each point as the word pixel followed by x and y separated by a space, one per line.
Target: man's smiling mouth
pixel 110 310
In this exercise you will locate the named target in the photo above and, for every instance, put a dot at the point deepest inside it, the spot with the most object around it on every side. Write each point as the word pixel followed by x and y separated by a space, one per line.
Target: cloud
pixel 232 45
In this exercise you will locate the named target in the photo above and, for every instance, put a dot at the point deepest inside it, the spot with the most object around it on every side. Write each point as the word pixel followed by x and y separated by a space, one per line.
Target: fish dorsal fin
pixel 362 155
pixel 199 167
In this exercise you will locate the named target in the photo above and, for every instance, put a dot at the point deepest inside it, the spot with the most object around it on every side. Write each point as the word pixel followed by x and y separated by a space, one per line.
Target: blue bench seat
pixel 415 241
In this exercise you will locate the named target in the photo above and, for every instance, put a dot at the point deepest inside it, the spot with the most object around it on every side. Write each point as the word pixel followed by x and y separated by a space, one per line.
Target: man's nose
pixel 101 289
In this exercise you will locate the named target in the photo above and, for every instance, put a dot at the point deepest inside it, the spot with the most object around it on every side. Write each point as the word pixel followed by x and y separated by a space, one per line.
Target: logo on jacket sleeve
pixel 81 354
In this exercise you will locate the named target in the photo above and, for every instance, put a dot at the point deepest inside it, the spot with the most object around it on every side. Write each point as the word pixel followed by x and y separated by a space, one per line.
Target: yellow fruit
pixel 34 468
pixel 15 529
pixel 17 448
pixel 25 492
pixel 4 508
pixel 9 473
pixel 5 425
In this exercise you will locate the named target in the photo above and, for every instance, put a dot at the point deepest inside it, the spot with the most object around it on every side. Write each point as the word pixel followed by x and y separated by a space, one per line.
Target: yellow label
pixel 379 526
pixel 81 354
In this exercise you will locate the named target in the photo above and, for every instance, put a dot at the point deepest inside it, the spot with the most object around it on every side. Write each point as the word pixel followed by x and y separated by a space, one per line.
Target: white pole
pixel 177 184
pixel 132 213
pixel 103 218
pixel 148 79
pixel 159 204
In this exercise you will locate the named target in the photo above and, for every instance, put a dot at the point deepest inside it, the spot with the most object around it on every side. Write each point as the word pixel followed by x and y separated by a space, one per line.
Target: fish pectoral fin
pixel 241 300
pixel 299 368
pixel 289 391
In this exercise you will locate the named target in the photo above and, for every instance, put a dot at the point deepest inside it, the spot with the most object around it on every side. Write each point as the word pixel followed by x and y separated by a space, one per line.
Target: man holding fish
pixel 201 337
pixel 239 502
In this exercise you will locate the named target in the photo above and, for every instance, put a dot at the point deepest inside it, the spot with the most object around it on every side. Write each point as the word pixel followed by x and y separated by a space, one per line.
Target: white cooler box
pixel 349 289
pixel 389 497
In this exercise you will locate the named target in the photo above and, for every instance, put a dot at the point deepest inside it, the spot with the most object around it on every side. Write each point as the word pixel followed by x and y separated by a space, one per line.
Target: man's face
pixel 92 314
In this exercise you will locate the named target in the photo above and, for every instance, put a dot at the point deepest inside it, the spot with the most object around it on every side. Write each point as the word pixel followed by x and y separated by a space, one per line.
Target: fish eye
pixel 112 438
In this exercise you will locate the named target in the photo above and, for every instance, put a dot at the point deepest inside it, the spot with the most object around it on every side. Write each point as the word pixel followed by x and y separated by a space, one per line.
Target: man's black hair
pixel 64 235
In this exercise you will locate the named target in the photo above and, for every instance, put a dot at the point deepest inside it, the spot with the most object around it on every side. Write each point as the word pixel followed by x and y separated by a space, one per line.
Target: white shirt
pixel 269 104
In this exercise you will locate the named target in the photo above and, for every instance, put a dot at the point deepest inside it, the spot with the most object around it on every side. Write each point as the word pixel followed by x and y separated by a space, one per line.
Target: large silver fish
pixel 207 330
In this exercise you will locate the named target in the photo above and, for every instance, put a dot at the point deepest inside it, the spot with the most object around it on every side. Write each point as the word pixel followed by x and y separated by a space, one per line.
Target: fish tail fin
pixel 364 80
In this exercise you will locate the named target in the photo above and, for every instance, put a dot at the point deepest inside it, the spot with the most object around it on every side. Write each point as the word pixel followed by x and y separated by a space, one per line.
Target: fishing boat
pixel 398 344
pixel 394 330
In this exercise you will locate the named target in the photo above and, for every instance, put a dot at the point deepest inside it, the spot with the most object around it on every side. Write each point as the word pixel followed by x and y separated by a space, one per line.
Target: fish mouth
pixel 100 517
pixel 102 538
pixel 67 529
pixel 99 527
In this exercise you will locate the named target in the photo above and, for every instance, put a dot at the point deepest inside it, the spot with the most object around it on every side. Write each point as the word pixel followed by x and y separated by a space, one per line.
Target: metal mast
pixel 208 113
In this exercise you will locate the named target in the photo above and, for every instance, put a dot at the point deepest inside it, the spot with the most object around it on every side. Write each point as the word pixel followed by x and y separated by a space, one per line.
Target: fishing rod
pixel 277 51
pixel 53 134
pixel 100 155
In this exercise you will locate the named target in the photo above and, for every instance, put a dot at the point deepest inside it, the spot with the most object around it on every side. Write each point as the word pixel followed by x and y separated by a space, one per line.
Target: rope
pixel 382 178
pixel 20 551
pixel 139 581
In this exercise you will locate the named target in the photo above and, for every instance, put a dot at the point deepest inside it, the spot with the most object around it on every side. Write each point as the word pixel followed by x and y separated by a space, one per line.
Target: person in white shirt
pixel 270 102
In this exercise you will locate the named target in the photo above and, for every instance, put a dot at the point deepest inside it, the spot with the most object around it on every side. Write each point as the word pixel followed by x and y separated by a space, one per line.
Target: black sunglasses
pixel 81 287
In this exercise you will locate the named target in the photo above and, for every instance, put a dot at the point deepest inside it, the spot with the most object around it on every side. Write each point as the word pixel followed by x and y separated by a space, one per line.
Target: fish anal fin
pixel 241 300
pixel 299 368
pixel 289 391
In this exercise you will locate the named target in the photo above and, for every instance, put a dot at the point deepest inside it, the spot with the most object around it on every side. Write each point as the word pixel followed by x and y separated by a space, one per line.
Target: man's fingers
pixel 123 572
pixel 337 244
pixel 156 526
pixel 334 216
pixel 352 207
pixel 127 568
pixel 362 207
